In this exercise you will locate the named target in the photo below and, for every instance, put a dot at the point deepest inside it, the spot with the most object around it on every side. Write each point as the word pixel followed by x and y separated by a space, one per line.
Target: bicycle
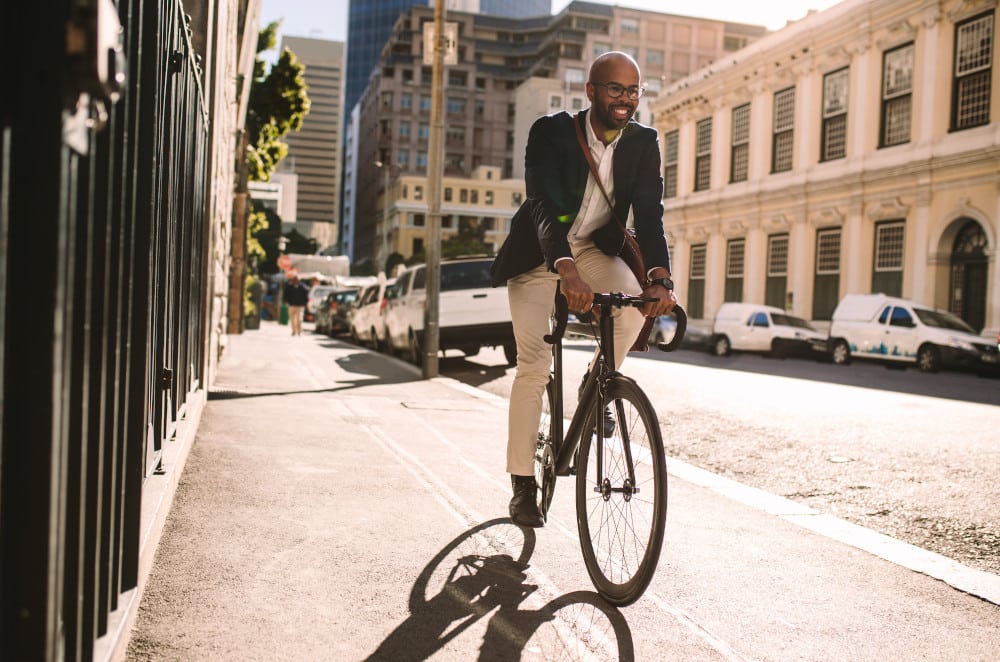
pixel 621 474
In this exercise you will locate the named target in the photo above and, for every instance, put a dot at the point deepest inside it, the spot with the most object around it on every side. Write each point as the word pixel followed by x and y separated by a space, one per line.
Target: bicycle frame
pixel 564 445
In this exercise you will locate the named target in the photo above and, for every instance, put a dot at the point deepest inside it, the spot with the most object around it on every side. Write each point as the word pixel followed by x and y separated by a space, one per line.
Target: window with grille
pixel 740 155
pixel 630 26
pixel 696 283
pixel 734 258
pixel 897 95
pixel 973 72
pixel 828 252
pixel 671 142
pixel 835 114
pixel 784 130
pixel 777 255
pixel 698 262
pixel 703 155
pixel 887 270
pixel 889 246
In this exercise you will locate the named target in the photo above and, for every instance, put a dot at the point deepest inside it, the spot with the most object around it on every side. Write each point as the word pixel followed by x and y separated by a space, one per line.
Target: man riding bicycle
pixel 564 231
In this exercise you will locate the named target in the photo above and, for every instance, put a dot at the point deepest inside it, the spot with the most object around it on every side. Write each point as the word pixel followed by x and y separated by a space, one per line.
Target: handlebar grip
pixel 561 317
pixel 682 322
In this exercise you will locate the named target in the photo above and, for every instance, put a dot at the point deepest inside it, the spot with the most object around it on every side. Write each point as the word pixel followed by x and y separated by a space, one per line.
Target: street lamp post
pixel 382 255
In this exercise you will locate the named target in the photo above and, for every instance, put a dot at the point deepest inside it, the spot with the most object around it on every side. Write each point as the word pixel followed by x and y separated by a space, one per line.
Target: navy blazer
pixel 555 177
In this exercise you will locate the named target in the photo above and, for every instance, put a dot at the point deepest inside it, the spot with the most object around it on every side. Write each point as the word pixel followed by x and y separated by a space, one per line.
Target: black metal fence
pixel 103 301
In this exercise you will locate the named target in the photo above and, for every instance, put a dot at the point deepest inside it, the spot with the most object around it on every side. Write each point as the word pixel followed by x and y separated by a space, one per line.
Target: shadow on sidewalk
pixel 481 572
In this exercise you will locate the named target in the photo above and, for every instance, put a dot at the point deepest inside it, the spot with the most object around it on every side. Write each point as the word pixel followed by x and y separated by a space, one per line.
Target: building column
pixel 855 269
pixel 925 66
pixel 755 264
pixel 715 271
pixel 918 250
pixel 761 132
pixel 800 268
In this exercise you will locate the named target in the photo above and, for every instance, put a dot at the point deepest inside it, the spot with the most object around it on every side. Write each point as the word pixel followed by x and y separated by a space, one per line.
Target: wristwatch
pixel 665 282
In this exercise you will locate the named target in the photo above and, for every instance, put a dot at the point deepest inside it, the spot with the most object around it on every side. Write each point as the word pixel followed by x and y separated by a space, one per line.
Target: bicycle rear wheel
pixel 545 461
pixel 621 496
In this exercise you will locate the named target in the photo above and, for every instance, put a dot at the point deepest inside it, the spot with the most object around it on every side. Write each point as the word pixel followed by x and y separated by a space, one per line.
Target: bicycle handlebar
pixel 608 300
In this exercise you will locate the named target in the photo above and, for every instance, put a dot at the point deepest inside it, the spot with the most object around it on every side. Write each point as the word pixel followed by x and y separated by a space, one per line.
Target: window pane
pixel 741 162
pixel 671 143
pixel 897 121
pixel 835 93
pixel 897 72
pixel 889 246
pixel 783 145
pixel 704 142
pixel 734 258
pixel 973 103
pixel 974 49
pixel 698 262
pixel 784 109
pixel 741 124
pixel 670 181
pixel 777 255
pixel 828 252
pixel 835 138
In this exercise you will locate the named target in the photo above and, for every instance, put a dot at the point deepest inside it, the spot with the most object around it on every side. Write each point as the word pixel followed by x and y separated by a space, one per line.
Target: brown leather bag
pixel 630 252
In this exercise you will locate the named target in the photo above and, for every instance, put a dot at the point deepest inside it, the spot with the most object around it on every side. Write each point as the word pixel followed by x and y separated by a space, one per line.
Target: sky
pixel 327 19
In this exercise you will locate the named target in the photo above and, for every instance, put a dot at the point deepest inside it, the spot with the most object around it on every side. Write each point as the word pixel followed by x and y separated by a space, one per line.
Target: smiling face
pixel 608 116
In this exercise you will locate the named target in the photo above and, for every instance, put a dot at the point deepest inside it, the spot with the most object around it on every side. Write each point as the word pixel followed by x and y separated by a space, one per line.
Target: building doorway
pixel 967 282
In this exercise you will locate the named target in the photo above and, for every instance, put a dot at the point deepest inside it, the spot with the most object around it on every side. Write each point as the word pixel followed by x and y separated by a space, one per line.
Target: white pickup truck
pixel 471 313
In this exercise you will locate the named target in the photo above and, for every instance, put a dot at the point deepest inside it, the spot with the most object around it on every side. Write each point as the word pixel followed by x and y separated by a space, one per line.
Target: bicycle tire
pixel 545 461
pixel 621 532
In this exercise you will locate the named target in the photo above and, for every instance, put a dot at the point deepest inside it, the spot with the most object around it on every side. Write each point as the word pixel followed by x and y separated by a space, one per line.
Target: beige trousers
pixel 295 318
pixel 531 296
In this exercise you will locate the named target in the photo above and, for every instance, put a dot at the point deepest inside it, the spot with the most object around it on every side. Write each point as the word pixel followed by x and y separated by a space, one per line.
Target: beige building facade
pixel 483 202
pixel 853 151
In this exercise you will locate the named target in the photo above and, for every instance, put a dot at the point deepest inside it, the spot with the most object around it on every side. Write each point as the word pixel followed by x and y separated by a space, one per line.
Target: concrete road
pixel 911 455
pixel 336 507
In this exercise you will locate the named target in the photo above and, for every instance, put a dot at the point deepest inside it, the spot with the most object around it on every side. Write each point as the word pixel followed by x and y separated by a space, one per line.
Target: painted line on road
pixel 979 583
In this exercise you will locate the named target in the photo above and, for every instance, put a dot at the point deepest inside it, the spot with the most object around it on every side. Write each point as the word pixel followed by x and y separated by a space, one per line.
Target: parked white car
pixel 471 313
pixel 750 327
pixel 368 318
pixel 901 332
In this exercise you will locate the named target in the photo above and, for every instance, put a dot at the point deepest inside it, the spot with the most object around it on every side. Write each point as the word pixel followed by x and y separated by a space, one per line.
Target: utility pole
pixel 434 173
pixel 382 254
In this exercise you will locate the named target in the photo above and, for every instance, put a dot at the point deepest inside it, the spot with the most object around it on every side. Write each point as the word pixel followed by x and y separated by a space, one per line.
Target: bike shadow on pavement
pixel 481 574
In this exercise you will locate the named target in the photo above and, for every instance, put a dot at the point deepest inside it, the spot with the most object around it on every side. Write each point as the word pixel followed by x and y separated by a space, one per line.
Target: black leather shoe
pixel 524 504
pixel 609 420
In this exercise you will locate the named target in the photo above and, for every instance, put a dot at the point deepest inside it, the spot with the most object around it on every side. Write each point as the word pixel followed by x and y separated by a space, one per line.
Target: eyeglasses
pixel 615 90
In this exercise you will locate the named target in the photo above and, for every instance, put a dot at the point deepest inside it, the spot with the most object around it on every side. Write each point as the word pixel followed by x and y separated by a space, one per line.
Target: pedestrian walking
pixel 296 297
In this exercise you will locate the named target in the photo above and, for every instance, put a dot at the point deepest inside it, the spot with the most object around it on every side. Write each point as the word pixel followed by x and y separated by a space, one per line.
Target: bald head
pixel 608 64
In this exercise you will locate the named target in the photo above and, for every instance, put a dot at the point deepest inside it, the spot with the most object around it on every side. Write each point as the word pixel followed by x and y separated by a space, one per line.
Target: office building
pixel 314 150
pixel 484 124
pixel 370 22
pixel 828 159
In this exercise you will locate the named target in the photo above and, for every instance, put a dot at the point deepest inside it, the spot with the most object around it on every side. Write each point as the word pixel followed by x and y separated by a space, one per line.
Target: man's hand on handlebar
pixel 665 300
pixel 579 296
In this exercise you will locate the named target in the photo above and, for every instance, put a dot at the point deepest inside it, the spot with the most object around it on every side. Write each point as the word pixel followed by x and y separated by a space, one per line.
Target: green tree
pixel 279 101
pixel 468 241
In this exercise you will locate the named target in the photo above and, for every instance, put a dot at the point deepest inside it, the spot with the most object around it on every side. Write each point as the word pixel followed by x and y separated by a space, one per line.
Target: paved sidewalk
pixel 328 488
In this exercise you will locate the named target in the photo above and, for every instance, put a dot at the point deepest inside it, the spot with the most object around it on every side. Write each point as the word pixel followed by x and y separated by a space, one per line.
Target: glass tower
pixel 369 24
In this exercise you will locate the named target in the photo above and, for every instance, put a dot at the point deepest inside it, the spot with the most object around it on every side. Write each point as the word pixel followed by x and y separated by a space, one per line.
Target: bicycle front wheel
pixel 621 495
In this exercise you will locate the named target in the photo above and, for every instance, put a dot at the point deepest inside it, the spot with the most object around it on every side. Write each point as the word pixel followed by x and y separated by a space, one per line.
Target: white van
pixel 751 327
pixel 901 332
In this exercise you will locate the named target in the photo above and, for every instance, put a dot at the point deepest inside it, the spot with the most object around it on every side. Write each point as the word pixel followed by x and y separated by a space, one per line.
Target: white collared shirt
pixel 594 210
